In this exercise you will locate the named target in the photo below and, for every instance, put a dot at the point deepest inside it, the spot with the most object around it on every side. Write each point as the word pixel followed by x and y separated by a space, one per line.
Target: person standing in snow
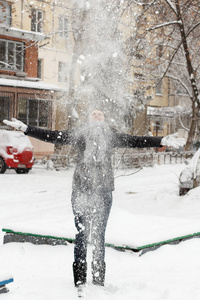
pixel 93 183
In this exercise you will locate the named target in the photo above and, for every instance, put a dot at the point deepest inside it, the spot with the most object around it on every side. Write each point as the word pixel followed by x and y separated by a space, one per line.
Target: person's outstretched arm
pixel 50 136
pixel 55 137
pixel 129 141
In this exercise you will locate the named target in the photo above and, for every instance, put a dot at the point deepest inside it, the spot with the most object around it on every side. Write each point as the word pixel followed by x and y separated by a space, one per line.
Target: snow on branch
pixel 145 9
pixel 182 83
pixel 172 6
pixel 194 27
pixel 181 122
pixel 164 24
pixel 171 59
pixel 141 3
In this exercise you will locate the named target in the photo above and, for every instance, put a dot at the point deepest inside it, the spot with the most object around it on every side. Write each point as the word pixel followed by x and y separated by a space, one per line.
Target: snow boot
pixel 98 272
pixel 80 273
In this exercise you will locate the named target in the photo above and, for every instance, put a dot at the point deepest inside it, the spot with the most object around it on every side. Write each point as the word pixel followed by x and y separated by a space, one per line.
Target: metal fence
pixel 123 159
pixel 131 159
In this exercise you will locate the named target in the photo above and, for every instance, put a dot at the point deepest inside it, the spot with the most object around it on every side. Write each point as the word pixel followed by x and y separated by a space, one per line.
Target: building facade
pixel 33 57
pixel 36 55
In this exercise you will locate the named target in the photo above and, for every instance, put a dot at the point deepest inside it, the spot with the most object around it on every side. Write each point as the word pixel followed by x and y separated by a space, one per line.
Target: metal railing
pixel 131 159
pixel 122 159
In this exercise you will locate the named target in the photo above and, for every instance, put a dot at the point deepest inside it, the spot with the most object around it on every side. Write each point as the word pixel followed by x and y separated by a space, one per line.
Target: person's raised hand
pixel 173 141
pixel 19 125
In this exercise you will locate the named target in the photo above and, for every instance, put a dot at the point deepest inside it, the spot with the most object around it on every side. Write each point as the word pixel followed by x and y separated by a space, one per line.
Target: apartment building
pixel 34 52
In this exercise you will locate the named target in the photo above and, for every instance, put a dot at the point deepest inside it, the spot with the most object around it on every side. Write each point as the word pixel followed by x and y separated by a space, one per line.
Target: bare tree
pixel 168 41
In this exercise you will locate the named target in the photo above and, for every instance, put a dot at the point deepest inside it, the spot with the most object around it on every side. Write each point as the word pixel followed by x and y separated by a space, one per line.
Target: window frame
pixel 36 22
pixel 63 23
pixel 6 108
pixel 62 74
pixel 24 112
pixel 158 127
pixel 6 58
pixel 39 68
pixel 159 88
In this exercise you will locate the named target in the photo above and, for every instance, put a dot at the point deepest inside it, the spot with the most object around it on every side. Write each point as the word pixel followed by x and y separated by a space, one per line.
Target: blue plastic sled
pixel 3 288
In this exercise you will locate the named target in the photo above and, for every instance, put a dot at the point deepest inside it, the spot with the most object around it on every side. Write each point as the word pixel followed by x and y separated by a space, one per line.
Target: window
pixel 159 51
pixel 4 108
pixel 138 76
pixel 62 72
pixel 159 88
pixel 39 69
pixel 37 20
pixel 157 127
pixel 180 89
pixel 11 55
pixel 5 14
pixel 143 2
pixel 128 119
pixel 63 26
pixel 137 54
pixel 34 112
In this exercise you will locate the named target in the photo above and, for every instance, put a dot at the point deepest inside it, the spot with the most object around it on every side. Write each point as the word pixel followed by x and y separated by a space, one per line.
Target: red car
pixel 16 152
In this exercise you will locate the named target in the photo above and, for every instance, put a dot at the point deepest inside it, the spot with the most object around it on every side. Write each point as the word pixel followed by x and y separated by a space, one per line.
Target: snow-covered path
pixel 40 201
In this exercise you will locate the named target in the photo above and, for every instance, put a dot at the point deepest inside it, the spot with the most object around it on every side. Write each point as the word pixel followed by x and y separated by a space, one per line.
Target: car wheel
pixel 183 191
pixel 2 166
pixel 22 171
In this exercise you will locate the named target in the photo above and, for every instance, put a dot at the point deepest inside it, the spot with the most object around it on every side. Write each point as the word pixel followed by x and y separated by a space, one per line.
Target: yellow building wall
pixel 160 99
pixel 52 48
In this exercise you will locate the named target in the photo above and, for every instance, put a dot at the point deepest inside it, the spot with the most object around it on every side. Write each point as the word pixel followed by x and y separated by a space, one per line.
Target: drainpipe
pixel 22 12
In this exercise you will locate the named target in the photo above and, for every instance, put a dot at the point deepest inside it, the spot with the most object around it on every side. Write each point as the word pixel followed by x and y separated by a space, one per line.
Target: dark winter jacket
pixel 96 175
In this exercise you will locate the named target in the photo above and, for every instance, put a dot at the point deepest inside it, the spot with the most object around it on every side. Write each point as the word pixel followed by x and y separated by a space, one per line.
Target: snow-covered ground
pixel 146 209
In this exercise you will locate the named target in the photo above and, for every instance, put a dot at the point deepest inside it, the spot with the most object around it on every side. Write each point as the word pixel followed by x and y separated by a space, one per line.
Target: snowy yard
pixel 146 209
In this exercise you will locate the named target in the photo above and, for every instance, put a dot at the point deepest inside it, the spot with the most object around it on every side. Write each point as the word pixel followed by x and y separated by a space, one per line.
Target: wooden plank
pixel 55 240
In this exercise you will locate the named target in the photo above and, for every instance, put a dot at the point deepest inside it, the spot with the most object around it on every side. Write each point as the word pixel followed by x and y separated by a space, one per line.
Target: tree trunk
pixel 191 134
pixel 191 73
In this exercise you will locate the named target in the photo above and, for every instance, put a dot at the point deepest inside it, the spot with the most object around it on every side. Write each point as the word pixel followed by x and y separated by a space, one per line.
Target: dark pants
pixel 91 211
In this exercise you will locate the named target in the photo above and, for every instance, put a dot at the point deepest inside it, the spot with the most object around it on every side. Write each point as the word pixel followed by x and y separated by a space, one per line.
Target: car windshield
pixel 4 138
pixel 14 138
pixel 18 138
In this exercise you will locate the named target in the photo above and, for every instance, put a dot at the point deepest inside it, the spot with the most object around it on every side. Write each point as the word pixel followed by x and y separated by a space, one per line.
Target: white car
pixel 16 152
pixel 190 176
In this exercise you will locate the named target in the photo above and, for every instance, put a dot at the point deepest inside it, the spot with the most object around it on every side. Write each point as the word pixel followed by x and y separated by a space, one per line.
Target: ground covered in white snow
pixel 146 209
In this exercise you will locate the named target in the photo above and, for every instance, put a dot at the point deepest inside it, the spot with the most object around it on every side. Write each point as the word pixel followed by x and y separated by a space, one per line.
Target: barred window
pixel 34 112
pixel 159 88
pixel 37 20
pixel 158 127
pixel 39 69
pixel 11 55
pixel 62 72
pixel 4 108
pixel 63 26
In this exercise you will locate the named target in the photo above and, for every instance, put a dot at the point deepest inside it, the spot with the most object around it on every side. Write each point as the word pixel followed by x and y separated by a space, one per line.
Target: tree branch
pixel 146 9
pixel 181 122
pixel 181 82
pixel 171 6
pixel 194 27
pixel 171 59
pixel 163 25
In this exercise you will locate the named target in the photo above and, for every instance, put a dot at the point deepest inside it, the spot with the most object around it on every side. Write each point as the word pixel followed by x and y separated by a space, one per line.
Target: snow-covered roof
pixel 29 84
pixel 165 111
pixel 23 34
